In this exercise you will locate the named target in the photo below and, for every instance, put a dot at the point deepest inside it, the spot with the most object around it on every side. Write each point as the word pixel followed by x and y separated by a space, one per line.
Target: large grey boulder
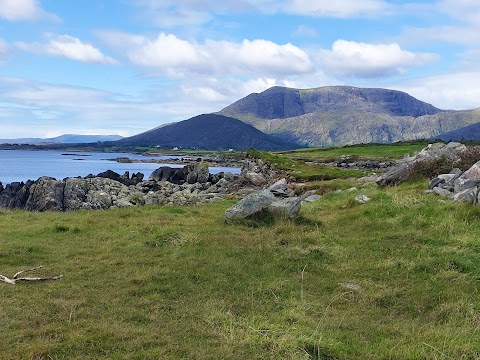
pixel 46 194
pixel 286 208
pixel 395 175
pixel 251 204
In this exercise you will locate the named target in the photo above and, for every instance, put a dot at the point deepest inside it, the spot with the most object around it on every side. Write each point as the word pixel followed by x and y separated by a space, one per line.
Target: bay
pixel 23 165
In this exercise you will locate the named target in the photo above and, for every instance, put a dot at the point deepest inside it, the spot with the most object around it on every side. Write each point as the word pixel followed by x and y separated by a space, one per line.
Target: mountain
pixel 339 115
pixel 466 133
pixel 63 139
pixel 209 131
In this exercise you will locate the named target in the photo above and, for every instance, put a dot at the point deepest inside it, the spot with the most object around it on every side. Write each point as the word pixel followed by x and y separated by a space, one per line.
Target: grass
pixel 396 278
pixel 365 151
pixel 300 170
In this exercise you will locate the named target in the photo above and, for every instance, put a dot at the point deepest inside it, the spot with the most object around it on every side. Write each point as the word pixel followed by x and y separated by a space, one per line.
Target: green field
pixel 396 278
pixel 367 151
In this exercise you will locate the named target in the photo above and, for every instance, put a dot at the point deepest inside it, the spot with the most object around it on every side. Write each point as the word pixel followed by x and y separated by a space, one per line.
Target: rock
pixel 362 199
pixel 394 176
pixel 469 195
pixel 250 205
pixel 473 172
pixel 255 178
pixel 442 192
pixel 280 188
pixel 312 198
pixel 46 194
pixel 462 184
pixel 286 208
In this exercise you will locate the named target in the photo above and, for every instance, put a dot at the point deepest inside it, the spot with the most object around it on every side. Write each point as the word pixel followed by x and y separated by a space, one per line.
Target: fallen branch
pixel 15 277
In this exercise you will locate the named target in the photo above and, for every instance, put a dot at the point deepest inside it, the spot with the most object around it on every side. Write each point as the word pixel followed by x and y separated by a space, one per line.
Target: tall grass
pixel 397 278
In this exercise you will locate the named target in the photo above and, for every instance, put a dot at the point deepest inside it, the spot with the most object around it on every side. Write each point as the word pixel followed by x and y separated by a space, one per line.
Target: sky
pixel 125 67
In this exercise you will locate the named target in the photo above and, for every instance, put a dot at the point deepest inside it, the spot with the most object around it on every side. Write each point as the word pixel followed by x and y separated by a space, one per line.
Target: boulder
pixel 251 204
pixel 46 194
pixel 469 195
pixel 286 208
pixel 280 188
pixel 395 175
pixel 255 178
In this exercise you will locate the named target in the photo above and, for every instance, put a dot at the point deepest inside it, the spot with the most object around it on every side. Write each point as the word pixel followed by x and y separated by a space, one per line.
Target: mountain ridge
pixel 209 131
pixel 341 115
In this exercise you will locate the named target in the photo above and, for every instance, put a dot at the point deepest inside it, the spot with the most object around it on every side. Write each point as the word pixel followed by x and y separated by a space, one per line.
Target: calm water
pixel 22 165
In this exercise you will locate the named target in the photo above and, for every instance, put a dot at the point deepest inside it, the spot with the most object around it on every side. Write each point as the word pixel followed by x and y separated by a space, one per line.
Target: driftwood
pixel 15 277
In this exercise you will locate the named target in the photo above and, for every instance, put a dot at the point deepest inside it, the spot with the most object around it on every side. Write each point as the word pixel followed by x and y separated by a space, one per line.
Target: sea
pixel 23 165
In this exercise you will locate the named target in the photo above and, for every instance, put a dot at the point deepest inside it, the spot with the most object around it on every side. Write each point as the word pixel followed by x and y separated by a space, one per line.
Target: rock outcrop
pixel 402 171
pixel 182 186
pixel 458 185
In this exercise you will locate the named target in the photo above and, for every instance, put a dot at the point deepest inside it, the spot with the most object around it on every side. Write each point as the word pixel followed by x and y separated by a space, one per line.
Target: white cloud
pixel 175 56
pixel 166 51
pixel 455 90
pixel 69 47
pixel 349 58
pixel 23 10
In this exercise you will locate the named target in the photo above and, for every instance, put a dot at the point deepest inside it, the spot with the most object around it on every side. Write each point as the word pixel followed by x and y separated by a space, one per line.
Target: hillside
pixel 209 131
pixel 469 133
pixel 339 115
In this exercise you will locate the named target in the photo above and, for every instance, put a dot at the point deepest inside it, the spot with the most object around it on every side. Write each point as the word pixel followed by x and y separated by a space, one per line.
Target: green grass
pixel 300 170
pixel 367 151
pixel 183 283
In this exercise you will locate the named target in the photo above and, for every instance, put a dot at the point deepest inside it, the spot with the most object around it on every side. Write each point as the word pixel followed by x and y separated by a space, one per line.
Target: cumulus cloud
pixel 175 56
pixel 23 10
pixel 69 47
pixel 455 90
pixel 364 60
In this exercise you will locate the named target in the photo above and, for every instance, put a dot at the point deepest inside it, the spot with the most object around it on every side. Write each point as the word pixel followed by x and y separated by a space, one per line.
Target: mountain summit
pixel 339 115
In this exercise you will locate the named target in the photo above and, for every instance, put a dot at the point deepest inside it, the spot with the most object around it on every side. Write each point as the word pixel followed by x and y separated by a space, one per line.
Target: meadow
pixel 396 278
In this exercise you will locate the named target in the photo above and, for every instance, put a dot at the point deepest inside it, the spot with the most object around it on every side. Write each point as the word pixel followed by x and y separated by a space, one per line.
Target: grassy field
pixel 396 278
pixel 367 151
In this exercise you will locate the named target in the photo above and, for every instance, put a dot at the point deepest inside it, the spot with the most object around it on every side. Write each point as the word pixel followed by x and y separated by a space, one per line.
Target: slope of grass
pixel 300 170
pixel 366 151
pixel 396 278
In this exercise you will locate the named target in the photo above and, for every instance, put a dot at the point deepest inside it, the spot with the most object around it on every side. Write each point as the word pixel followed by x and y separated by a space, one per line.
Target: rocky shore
pixel 176 186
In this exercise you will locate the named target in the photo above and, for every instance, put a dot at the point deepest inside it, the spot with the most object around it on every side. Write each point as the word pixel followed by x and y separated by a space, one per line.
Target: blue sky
pixel 124 67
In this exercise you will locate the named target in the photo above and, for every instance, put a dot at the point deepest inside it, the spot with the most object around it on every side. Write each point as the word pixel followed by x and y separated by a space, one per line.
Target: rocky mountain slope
pixel 209 131
pixel 339 115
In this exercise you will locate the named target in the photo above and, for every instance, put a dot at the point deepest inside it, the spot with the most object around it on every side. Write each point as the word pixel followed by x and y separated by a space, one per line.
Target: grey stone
pixel 441 191
pixel 46 194
pixel 251 204
pixel 469 195
pixel 362 199
pixel 286 208
pixel 312 198
pixel 255 178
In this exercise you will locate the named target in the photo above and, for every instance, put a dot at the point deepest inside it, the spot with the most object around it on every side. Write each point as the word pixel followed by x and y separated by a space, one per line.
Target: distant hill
pixel 339 115
pixel 63 139
pixel 466 133
pixel 209 131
